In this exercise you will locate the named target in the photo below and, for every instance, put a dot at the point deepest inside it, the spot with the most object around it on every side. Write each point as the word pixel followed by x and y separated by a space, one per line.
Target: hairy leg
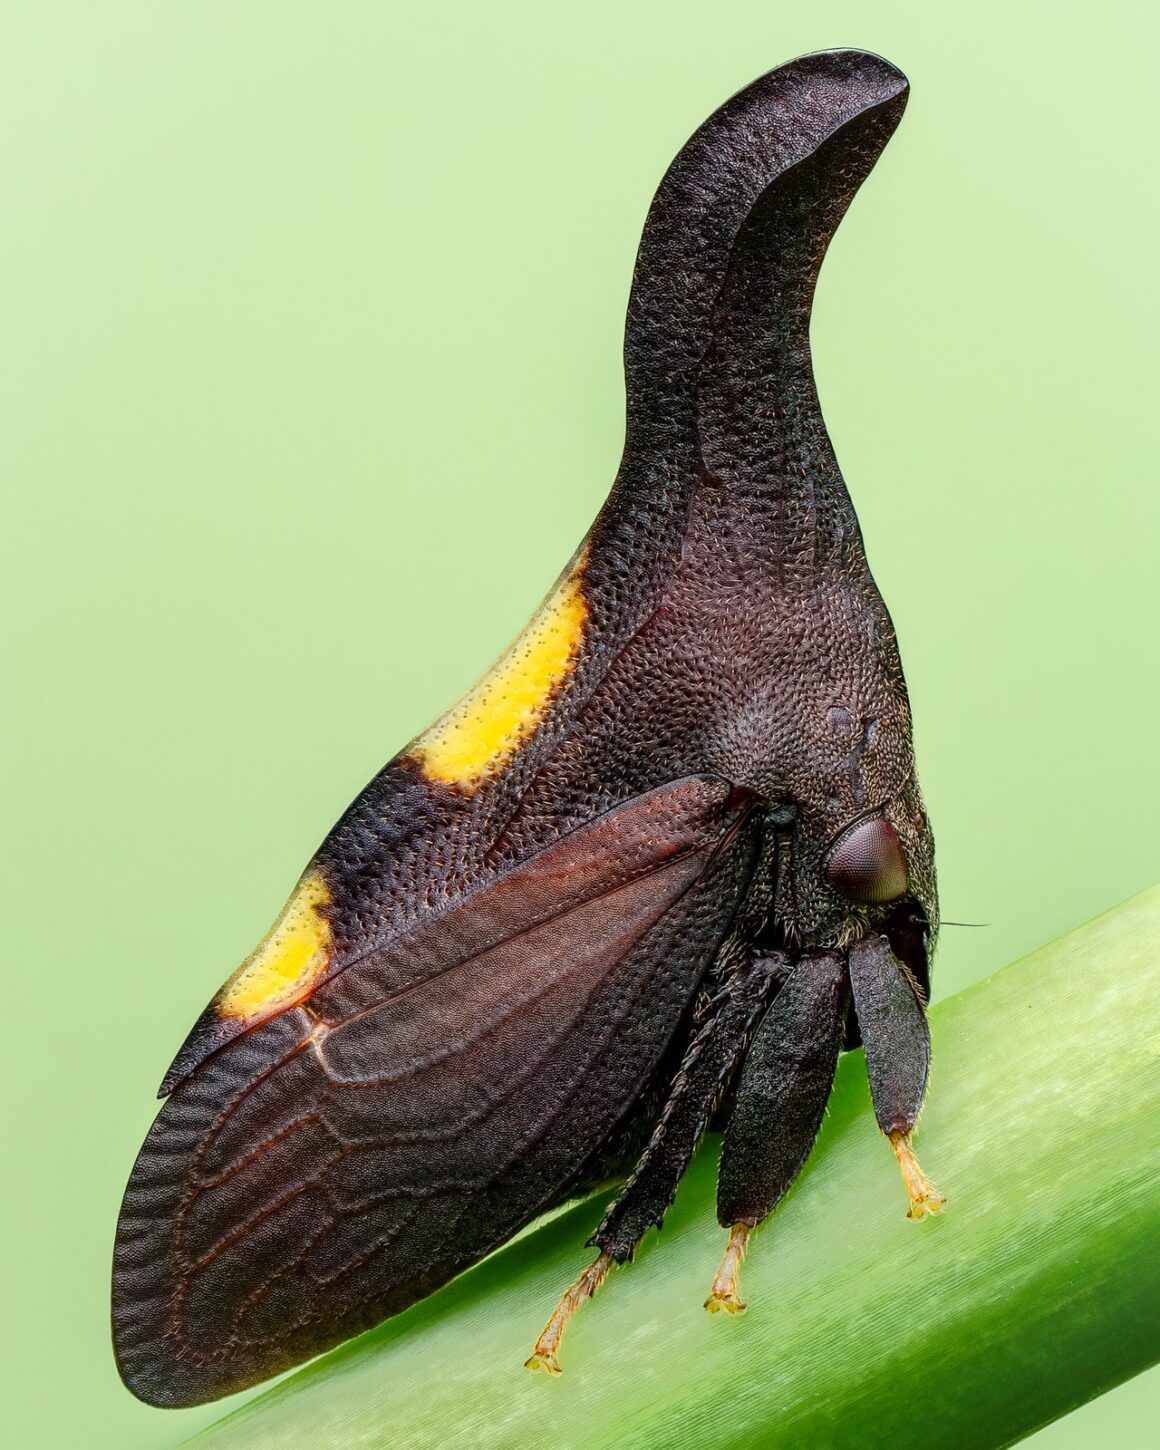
pixel 746 984
pixel 892 1018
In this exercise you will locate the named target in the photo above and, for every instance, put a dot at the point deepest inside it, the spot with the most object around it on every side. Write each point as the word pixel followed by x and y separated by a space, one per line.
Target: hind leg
pixel 696 1090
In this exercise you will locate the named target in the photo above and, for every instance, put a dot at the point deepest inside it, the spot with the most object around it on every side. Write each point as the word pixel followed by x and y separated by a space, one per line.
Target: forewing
pixel 345 1157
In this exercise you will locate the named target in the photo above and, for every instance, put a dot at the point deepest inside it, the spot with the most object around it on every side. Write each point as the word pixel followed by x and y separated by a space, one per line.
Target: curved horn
pixel 717 363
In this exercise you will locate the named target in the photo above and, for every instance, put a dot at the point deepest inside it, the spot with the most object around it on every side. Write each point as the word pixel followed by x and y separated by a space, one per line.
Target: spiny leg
pixel 892 1020
pixel 785 1083
pixel 696 1089
pixel 544 1353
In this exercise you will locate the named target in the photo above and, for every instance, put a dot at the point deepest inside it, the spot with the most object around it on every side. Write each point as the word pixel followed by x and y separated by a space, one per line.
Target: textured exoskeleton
pixel 660 864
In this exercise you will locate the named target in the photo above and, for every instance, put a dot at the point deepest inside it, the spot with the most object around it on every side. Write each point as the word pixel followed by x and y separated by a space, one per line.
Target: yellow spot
pixel 291 958
pixel 482 729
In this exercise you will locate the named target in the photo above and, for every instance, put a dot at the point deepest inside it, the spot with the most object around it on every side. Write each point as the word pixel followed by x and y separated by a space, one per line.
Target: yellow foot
pixel 547 1362
pixel 923 1195
pixel 544 1354
pixel 724 1293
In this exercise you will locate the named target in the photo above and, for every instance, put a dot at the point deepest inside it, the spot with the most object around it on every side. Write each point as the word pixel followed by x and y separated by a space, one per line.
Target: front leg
pixel 896 1034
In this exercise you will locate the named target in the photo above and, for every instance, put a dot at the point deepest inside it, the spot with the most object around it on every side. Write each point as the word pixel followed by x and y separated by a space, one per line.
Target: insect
pixel 652 872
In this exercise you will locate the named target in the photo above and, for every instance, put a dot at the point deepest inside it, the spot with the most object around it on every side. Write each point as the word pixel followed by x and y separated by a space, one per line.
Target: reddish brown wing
pixel 345 1158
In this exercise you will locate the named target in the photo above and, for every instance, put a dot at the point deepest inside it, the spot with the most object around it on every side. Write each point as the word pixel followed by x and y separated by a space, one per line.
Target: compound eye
pixel 866 864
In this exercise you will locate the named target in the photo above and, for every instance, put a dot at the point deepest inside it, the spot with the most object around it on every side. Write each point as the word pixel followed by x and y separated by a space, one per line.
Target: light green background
pixel 311 328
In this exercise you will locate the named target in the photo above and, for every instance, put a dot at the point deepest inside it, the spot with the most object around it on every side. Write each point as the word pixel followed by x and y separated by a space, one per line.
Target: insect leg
pixel 696 1089
pixel 786 1080
pixel 892 1020
pixel 543 1354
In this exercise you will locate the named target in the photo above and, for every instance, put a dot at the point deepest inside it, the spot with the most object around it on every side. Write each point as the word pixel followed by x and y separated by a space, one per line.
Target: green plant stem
pixel 1036 1290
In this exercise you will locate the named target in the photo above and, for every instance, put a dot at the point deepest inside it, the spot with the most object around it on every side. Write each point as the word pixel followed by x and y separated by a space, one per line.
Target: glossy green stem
pixel 1034 1291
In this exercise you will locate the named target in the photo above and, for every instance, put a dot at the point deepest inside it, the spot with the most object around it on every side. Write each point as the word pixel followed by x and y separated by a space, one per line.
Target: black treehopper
pixel 654 871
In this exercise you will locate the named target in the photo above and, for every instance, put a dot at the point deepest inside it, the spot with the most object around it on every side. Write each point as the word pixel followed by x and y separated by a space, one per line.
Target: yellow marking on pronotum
pixel 482 729
pixel 293 955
